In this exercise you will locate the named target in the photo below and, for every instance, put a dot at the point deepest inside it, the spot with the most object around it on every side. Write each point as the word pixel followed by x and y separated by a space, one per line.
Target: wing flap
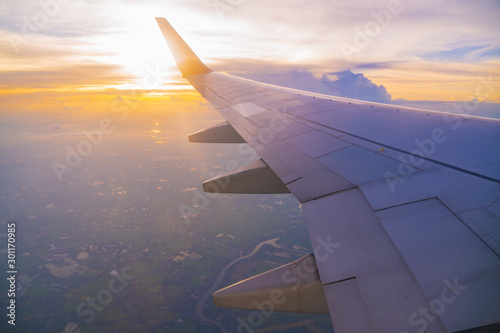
pixel 348 307
pixel 350 244
pixel 294 287
pixel 453 266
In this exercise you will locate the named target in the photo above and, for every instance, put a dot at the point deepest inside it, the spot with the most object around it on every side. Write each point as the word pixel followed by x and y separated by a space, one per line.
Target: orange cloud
pixel 67 77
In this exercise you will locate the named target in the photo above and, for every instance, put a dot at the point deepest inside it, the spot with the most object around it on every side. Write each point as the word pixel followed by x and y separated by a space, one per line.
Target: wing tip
pixel 187 61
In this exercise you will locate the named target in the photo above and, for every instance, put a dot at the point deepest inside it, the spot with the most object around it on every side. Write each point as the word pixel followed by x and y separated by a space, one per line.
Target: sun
pixel 137 45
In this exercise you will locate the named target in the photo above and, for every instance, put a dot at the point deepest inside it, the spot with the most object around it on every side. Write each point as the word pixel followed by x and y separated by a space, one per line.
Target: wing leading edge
pixel 402 205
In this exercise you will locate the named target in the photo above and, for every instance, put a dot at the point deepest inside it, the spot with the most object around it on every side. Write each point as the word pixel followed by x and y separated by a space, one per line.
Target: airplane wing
pixel 402 205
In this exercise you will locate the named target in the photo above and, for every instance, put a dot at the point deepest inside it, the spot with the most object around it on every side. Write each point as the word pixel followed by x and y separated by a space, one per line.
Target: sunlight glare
pixel 138 46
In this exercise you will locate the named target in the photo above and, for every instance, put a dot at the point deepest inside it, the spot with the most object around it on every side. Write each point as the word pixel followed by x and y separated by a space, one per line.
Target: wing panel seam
pixel 405 152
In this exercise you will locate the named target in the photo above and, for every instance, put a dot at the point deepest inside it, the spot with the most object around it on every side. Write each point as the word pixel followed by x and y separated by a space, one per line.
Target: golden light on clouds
pixel 441 82
pixel 102 50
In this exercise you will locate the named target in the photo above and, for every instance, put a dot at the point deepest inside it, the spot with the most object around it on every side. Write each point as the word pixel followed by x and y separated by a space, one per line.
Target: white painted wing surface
pixel 402 205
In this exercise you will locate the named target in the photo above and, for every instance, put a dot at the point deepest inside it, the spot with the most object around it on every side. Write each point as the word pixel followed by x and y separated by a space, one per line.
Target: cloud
pixel 43 48
pixel 466 54
pixel 356 86
pixel 315 29
pixel 492 49
pixel 455 43
pixel 484 109
pixel 57 18
pixel 84 75
pixel 343 84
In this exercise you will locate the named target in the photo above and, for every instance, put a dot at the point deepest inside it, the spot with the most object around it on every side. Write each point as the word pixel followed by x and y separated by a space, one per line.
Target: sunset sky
pixel 77 55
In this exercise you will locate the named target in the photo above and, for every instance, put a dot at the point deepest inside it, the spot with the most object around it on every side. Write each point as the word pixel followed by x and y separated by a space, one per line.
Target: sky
pixel 69 66
pixel 61 55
